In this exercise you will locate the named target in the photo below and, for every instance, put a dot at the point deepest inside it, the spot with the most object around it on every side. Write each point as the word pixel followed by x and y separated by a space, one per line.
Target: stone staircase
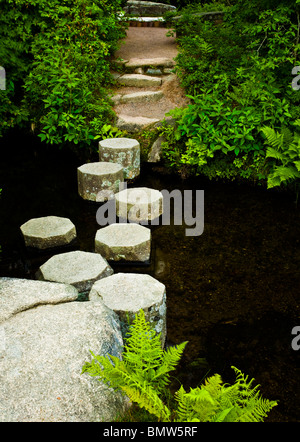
pixel 140 100
pixel 142 94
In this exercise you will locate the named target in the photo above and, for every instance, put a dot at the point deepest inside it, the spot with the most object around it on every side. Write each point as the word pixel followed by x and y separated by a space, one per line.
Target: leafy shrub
pixel 57 61
pixel 238 76
pixel 143 375
pixel 284 148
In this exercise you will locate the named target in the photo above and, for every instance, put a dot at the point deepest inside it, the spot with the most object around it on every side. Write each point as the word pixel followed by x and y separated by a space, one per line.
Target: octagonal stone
pixel 80 269
pixel 127 293
pixel 139 204
pixel 124 151
pixel 99 176
pixel 49 231
pixel 129 242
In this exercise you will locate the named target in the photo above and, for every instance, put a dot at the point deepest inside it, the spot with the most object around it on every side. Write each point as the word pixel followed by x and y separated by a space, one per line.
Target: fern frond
pixel 283 173
pixel 274 153
pixel 146 397
pixel 169 361
pixel 297 164
pixel 273 137
pixel 143 349
pixel 197 405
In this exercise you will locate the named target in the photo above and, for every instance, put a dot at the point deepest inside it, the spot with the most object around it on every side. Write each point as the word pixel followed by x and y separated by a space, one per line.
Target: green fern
pixel 218 402
pixel 284 148
pixel 143 375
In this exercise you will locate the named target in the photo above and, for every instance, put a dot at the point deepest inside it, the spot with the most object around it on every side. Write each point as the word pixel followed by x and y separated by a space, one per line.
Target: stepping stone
pixel 147 8
pixel 138 80
pixel 138 97
pixel 127 293
pixel 134 124
pixel 49 231
pixel 128 242
pixel 100 176
pixel 122 151
pixel 80 269
pixel 139 204
pixel 150 62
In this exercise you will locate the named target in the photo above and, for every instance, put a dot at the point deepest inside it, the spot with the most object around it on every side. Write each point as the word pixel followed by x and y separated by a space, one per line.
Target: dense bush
pixel 56 56
pixel 238 76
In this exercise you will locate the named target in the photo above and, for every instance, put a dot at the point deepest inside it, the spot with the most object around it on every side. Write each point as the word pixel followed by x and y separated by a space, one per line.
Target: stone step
pixel 148 66
pixel 123 151
pixel 127 293
pixel 124 242
pixel 99 179
pixel 150 62
pixel 78 268
pixel 138 80
pixel 146 22
pixel 134 124
pixel 139 204
pixel 138 97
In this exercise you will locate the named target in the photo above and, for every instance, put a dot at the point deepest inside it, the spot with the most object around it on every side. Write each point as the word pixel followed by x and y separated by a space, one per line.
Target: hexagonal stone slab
pixel 80 269
pixel 127 293
pixel 99 176
pixel 49 231
pixel 124 151
pixel 139 204
pixel 128 242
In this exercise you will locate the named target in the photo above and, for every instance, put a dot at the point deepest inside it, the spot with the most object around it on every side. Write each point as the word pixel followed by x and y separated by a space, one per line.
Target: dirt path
pixel 147 42
pixel 144 43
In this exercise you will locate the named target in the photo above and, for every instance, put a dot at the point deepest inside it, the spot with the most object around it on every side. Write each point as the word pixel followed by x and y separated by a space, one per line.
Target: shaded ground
pixel 147 43
pixel 151 43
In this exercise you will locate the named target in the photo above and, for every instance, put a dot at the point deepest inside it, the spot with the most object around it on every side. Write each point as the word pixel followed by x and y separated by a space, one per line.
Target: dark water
pixel 232 292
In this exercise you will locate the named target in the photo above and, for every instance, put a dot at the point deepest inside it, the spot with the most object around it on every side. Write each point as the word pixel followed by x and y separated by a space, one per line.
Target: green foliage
pixel 284 149
pixel 143 375
pixel 210 129
pixel 56 58
pixel 218 402
pixel 238 76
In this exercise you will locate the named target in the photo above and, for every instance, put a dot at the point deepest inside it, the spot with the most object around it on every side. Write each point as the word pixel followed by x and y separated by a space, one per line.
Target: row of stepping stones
pixel 127 241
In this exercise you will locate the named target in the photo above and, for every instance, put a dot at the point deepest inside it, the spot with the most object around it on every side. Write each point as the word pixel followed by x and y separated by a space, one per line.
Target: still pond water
pixel 232 292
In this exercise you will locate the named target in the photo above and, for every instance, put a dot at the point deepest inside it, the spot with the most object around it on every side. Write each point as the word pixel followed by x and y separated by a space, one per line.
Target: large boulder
pixel 147 9
pixel 44 342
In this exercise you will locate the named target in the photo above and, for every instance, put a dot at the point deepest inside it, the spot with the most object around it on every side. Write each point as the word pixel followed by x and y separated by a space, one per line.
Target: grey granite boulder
pixel 80 269
pixel 48 231
pixel 44 342
pixel 127 293
pixel 17 295
pixel 128 242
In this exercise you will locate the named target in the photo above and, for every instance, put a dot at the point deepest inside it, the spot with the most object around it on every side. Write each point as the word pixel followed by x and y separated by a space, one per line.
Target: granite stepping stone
pixel 146 96
pixel 139 204
pixel 127 293
pixel 128 242
pixel 122 151
pixel 80 269
pixel 47 232
pixel 139 80
pixel 134 124
pixel 104 177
